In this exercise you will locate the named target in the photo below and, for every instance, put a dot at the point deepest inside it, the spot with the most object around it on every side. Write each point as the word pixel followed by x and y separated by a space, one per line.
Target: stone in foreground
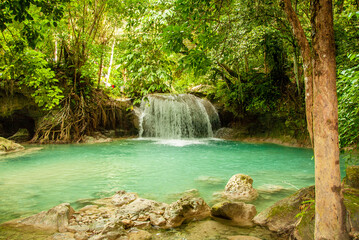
pixel 186 209
pixel 55 219
pixel 239 187
pixel 240 213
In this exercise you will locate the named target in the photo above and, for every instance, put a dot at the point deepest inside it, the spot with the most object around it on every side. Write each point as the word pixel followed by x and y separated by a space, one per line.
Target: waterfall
pixel 176 116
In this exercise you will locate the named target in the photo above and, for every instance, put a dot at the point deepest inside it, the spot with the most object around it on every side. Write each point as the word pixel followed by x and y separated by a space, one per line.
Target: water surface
pixel 155 169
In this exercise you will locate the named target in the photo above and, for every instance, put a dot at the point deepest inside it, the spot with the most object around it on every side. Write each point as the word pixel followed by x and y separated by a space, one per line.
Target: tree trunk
pixel 296 72
pixel 330 210
pixel 307 63
pixel 111 60
pixel 322 117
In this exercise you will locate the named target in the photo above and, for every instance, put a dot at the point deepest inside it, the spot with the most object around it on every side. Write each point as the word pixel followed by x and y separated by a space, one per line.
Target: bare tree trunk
pixel 55 50
pixel 330 211
pixel 296 72
pixel 100 71
pixel 246 62
pixel 111 60
pixel 307 63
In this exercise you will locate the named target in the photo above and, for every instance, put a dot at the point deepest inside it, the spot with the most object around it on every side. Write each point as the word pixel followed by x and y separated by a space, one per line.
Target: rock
pixel 139 235
pixel 210 180
pixel 241 237
pixel 97 137
pixel 281 217
pixel 63 236
pixel 122 198
pixel 270 188
pixel 22 135
pixel 138 207
pixel 81 236
pixel 7 146
pixel 352 177
pixel 55 219
pixel 239 187
pixel 185 209
pixel 157 220
pixel 239 213
pixel 351 202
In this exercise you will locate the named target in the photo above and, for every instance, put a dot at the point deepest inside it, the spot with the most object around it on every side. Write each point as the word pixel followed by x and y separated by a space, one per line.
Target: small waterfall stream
pixel 177 116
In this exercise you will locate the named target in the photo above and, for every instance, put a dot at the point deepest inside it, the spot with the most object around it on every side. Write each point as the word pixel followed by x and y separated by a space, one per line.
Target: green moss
pixel 306 226
pixel 281 210
pixel 351 200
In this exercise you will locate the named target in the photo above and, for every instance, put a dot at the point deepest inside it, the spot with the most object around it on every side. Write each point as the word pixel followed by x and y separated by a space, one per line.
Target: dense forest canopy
pixel 239 53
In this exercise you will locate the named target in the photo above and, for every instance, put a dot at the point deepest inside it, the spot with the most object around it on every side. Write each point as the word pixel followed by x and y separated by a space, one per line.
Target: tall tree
pixel 322 116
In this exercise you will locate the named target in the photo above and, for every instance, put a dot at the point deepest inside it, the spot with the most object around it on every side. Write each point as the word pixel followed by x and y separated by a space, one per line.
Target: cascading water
pixel 177 116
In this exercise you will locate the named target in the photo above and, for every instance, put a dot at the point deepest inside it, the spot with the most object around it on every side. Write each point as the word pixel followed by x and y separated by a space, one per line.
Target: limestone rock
pixel 239 187
pixel 55 219
pixel 139 207
pixel 280 217
pixel 22 135
pixel 7 146
pixel 352 178
pixel 186 209
pixel 239 213
pixel 122 198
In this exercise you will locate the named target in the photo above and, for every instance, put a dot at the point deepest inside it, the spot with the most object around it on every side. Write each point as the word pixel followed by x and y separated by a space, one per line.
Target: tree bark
pixel 330 211
pixel 307 63
pixel 322 117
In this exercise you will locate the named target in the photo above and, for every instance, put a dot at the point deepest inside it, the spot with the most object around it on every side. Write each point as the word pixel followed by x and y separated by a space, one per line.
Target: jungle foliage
pixel 239 53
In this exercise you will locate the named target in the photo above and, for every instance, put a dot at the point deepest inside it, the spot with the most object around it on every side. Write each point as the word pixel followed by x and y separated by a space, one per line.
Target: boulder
pixel 352 176
pixel 239 187
pixel 55 219
pixel 239 213
pixel 22 135
pixel 7 146
pixel 185 209
pixel 122 198
pixel 281 217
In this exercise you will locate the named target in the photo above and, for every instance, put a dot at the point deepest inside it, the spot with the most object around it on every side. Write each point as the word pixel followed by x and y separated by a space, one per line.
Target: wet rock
pixel 186 209
pixel 352 177
pixel 55 219
pixel 122 198
pixel 7 146
pixel 97 137
pixel 22 135
pixel 239 213
pixel 280 217
pixel 139 235
pixel 210 180
pixel 239 187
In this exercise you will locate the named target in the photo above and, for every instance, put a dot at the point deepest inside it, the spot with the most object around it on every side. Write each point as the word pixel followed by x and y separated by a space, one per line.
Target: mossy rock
pixel 351 201
pixel 281 217
pixel 7 146
pixel 352 176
